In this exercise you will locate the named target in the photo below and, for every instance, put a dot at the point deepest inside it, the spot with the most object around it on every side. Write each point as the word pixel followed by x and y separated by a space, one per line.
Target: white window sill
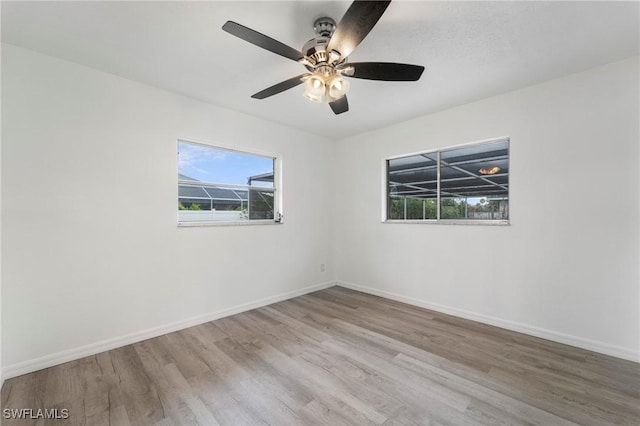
pixel 234 223
pixel 452 222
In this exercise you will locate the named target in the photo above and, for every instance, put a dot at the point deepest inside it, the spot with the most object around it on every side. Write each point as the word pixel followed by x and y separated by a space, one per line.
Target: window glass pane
pixel 261 203
pixel 412 187
pixel 474 182
pixel 395 208
pixel 211 164
pixel 217 184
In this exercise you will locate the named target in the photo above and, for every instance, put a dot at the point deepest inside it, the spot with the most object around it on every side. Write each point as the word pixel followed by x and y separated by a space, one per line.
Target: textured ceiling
pixel 471 50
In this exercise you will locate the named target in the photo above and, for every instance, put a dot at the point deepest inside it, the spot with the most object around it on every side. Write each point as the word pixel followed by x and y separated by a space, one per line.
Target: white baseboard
pixel 105 345
pixel 46 361
pixel 580 342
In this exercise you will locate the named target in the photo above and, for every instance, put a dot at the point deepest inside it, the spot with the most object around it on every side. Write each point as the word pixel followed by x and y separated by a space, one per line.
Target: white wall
pixel 86 157
pixel 81 271
pixel 567 267
pixel 1 374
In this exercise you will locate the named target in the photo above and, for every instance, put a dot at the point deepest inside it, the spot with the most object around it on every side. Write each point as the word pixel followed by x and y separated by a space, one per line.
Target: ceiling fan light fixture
pixel 314 87
pixel 348 71
pixel 337 86
pixel 334 56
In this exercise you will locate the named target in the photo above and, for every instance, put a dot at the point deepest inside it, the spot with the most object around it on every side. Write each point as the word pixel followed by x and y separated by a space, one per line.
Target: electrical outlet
pixel 322 267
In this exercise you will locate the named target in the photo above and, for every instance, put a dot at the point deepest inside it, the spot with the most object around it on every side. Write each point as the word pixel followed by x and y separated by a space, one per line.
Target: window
pixel 219 185
pixel 467 184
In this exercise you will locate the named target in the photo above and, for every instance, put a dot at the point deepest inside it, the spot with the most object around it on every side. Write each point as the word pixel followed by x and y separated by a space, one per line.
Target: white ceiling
pixel 471 50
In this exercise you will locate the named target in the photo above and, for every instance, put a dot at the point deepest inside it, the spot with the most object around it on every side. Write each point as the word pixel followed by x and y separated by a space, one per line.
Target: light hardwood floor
pixel 337 357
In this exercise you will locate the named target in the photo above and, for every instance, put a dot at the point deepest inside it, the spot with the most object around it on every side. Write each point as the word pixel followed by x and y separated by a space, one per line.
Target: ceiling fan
pixel 325 56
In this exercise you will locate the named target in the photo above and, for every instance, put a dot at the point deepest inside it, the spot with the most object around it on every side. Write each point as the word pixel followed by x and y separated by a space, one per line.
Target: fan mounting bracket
pixel 324 26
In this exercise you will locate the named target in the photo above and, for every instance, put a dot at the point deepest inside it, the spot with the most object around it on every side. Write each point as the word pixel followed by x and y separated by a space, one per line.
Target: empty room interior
pixel 320 213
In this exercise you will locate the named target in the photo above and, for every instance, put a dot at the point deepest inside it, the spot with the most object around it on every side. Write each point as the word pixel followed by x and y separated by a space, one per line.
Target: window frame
pixel 277 186
pixel 439 220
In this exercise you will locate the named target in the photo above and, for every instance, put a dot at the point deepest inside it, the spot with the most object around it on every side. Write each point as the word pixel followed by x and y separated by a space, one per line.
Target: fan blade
pixel 280 87
pixel 340 105
pixel 385 71
pixel 262 40
pixel 354 26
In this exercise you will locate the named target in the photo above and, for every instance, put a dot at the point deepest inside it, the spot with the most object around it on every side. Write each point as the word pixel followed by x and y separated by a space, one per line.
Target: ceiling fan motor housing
pixel 316 49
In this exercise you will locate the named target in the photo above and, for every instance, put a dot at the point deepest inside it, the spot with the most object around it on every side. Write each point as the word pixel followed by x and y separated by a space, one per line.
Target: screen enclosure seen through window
pixel 218 185
pixel 464 184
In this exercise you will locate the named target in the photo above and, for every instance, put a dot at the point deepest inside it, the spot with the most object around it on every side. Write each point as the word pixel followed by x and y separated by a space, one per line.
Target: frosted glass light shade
pixel 338 86
pixel 314 88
